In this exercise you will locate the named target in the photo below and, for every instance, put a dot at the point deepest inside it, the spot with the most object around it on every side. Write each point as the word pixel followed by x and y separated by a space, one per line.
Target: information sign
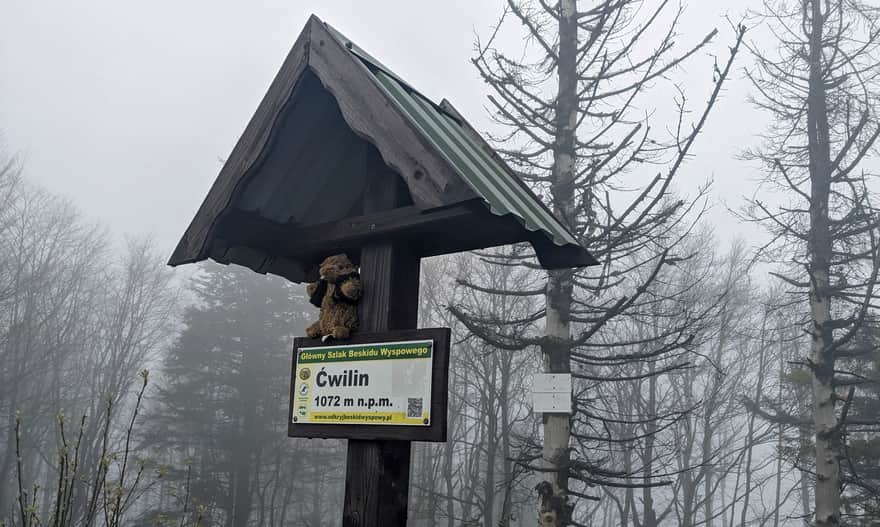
pixel 382 383
pixel 389 385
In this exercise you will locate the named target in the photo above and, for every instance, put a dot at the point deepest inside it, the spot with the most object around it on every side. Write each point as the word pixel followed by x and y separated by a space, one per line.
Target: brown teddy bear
pixel 337 293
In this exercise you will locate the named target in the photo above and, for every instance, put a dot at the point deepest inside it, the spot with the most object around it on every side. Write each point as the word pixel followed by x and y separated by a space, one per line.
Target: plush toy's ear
pixel 318 296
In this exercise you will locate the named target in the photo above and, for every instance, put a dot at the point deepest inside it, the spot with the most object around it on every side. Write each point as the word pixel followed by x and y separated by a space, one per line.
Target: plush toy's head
pixel 335 266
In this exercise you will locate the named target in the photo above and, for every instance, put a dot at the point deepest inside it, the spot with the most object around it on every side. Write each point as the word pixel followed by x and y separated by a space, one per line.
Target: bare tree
pixel 49 258
pixel 820 87
pixel 568 103
pixel 76 326
pixel 473 479
pixel 688 428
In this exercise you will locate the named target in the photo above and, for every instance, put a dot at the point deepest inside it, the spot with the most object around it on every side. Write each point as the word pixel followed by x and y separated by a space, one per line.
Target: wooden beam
pixel 463 227
pixel 377 472
pixel 244 228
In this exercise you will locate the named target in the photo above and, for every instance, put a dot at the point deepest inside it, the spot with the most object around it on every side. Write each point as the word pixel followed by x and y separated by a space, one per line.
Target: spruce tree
pixel 223 404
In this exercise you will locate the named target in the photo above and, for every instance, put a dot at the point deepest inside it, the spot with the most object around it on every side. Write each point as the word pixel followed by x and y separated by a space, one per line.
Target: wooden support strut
pixel 377 472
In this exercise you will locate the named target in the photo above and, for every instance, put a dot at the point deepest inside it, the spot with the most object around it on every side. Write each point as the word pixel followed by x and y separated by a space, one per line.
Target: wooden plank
pixel 426 233
pixel 193 246
pixel 369 112
pixel 289 240
pixel 462 227
pixel 376 484
pixel 377 472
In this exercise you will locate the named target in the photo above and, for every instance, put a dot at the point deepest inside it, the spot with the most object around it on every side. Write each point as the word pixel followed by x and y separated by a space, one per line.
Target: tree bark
pixel 554 508
pixel 244 453
pixel 827 435
pixel 780 430
pixel 491 406
pixel 506 432
pixel 650 515
pixel 448 453
pixel 750 433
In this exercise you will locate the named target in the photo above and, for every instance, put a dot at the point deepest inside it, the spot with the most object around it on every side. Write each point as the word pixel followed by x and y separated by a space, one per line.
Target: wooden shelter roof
pixel 334 121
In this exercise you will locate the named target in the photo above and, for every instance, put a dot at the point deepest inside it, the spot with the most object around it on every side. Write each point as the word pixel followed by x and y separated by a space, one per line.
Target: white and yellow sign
pixel 386 383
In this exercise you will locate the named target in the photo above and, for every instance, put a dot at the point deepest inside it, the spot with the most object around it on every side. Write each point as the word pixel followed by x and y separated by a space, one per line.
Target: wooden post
pixel 377 472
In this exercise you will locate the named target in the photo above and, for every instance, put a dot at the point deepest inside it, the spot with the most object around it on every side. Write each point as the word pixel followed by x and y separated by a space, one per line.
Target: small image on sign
pixel 414 407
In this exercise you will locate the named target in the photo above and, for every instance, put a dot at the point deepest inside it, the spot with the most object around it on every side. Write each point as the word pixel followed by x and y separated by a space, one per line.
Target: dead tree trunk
pixel 828 454
pixel 821 90
pixel 554 508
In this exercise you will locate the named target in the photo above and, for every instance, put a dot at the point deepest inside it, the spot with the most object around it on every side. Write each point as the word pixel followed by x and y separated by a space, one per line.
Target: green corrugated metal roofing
pixel 501 190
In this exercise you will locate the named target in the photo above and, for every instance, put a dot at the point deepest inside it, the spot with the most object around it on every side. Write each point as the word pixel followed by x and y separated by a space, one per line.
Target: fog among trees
pixel 720 380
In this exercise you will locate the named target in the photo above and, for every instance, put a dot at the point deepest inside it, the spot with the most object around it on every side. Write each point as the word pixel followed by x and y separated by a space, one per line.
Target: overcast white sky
pixel 127 107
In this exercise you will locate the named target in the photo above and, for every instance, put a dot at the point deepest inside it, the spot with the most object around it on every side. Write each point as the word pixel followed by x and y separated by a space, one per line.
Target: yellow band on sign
pixel 379 418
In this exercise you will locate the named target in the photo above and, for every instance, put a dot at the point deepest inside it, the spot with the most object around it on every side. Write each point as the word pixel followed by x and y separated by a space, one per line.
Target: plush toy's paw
pixel 340 332
pixel 314 331
pixel 352 289
pixel 326 338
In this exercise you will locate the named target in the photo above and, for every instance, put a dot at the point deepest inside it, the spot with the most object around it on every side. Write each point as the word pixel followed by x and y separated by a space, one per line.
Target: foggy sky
pixel 128 108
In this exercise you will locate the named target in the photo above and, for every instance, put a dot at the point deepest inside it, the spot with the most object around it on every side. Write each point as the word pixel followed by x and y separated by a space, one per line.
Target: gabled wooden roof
pixel 334 118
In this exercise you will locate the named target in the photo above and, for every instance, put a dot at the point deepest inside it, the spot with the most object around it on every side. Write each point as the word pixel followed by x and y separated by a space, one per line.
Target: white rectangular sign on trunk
pixel 551 393
pixel 386 383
